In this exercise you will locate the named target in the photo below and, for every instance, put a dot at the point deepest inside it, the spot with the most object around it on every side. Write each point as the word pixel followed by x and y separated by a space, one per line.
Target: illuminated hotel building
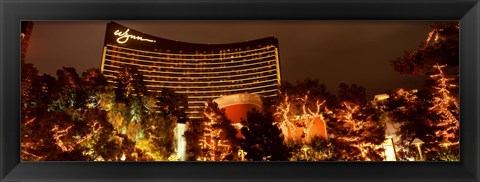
pixel 200 71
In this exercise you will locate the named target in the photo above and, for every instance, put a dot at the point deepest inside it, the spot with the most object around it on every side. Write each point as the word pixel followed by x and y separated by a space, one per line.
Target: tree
pixel 29 86
pixel 134 114
pixel 42 98
pixel 82 119
pixel 263 138
pixel 317 149
pixel 441 47
pixel 128 82
pixel 158 141
pixel 171 103
pixel 354 127
pixel 352 93
pixel 218 139
pixel 431 114
pixel 313 87
pixel 70 92
pixel 445 105
pixel 300 106
pixel 409 111
pixel 93 79
pixel 192 136
pixel 37 92
pixel 49 92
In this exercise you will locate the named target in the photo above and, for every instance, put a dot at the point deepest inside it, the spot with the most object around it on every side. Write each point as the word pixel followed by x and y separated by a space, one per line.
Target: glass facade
pixel 200 71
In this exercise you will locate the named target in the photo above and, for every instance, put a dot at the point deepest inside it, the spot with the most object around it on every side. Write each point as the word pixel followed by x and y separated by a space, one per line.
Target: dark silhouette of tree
pixel 263 138
pixel 352 93
pixel 311 87
pixel 93 81
pixel 410 110
pixel 129 82
pixel 172 103
pixel 69 93
pixel 192 137
pixel 49 90
pixel 30 86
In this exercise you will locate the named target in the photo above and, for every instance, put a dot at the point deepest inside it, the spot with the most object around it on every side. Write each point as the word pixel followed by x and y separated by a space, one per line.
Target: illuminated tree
pixel 431 114
pixel 48 133
pixel 445 105
pixel 440 47
pixel 158 141
pixel 354 127
pixel 38 92
pixel 299 107
pixel 80 119
pixel 134 115
pixel 298 113
pixel 218 139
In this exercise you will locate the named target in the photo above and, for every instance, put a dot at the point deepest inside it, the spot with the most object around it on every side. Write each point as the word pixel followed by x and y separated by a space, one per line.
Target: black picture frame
pixel 14 11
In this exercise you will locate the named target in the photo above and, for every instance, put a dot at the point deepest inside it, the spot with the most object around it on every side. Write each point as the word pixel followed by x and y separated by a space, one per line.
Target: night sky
pixel 357 52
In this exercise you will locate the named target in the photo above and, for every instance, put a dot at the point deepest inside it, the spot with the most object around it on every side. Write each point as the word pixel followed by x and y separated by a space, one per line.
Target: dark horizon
pixel 342 43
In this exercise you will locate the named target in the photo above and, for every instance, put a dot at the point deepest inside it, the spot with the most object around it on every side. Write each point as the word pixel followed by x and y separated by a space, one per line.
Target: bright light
pixel 124 36
pixel 389 150
pixel 181 142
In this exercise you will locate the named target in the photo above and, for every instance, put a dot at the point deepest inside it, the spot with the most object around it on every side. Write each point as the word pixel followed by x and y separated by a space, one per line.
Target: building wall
pixel 236 112
pixel 201 71
pixel 237 106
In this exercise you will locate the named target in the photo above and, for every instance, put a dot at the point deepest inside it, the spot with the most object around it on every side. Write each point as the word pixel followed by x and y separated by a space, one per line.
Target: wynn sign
pixel 123 37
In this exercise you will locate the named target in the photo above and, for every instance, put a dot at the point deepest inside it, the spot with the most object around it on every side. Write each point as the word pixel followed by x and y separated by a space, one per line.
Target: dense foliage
pixel 74 117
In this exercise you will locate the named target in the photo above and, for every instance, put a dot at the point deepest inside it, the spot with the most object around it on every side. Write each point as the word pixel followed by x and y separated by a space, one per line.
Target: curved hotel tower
pixel 200 71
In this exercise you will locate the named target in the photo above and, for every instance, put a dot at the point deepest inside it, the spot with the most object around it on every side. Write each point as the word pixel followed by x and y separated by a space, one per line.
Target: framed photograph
pixel 271 90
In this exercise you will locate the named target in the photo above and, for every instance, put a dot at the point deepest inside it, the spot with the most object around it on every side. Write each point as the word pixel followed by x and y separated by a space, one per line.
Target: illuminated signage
pixel 124 37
